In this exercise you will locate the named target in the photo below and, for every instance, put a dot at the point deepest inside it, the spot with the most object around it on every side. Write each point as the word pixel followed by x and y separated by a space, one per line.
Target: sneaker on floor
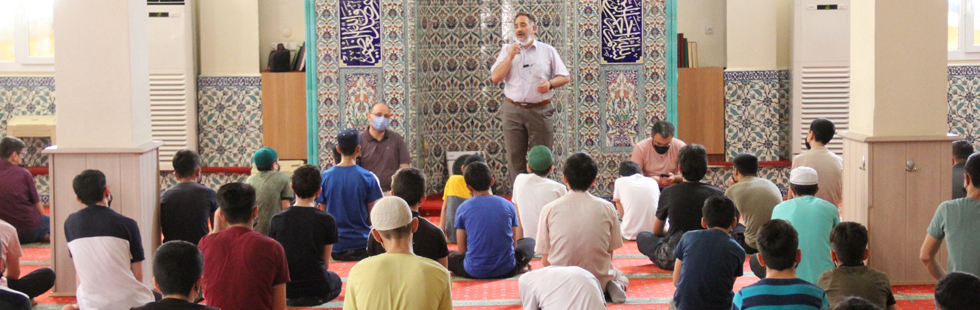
pixel 617 293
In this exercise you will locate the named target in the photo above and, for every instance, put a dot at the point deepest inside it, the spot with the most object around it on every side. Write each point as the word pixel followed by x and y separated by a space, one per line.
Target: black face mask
pixel 415 214
pixel 109 203
pixel 806 143
pixel 661 149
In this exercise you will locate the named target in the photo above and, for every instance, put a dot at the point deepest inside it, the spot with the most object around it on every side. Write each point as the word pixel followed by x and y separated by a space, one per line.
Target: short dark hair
pixel 185 162
pixel 693 161
pixel 336 156
pixel 856 303
pixel 823 130
pixel 962 149
pixel 237 202
pixel 177 265
pixel 306 181
pixel 746 164
pixel 958 291
pixel 473 158
pixel 542 173
pixel 408 184
pixel 804 190
pixel 458 164
pixel 349 151
pixel 580 171
pixel 663 128
pixel 478 176
pixel 397 232
pixel 628 168
pixel 778 242
pixel 849 240
pixel 525 14
pixel 89 186
pixel 11 145
pixel 719 211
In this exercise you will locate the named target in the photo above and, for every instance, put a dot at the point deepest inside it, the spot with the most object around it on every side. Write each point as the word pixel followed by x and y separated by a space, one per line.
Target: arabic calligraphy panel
pixel 360 32
pixel 622 31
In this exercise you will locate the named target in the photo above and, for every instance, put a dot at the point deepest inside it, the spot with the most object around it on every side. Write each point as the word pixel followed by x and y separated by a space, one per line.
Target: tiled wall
pixel 757 112
pixel 28 96
pixel 229 120
pixel 964 102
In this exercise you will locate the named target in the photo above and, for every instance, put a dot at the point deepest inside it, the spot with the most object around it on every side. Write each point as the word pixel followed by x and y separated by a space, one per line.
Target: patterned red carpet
pixel 650 287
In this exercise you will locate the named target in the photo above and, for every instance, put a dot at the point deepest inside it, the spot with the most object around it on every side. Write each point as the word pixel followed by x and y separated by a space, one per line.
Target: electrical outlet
pixel 709 30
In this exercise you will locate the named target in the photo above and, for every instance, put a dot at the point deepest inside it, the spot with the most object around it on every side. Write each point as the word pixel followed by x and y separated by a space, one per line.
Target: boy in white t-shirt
pixel 534 190
pixel 636 198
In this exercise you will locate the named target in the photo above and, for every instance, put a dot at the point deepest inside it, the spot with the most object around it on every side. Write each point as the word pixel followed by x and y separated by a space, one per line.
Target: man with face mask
pixel 383 151
pixel 657 155
pixel 828 165
pixel 19 202
pixel 530 70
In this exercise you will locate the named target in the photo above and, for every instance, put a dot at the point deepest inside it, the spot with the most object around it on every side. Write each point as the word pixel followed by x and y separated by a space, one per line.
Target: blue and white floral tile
pixel 43 189
pixel 229 120
pixel 755 112
pixel 25 96
pixel 964 103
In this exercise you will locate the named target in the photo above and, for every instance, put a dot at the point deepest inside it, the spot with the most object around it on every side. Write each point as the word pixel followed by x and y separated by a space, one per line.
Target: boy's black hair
pixel 719 211
pixel 348 151
pixel 628 168
pixel 408 184
pixel 397 232
pixel 856 303
pixel 89 186
pixel 177 265
pixel 474 158
pixel 972 168
pixel 458 164
pixel 9 146
pixel 823 130
pixel 849 240
pixel 306 181
pixel 185 162
pixel 693 161
pixel 962 149
pixel 580 171
pixel 663 128
pixel 804 190
pixel 746 164
pixel 542 173
pixel 237 202
pixel 958 291
pixel 478 176
pixel 337 157
pixel 778 242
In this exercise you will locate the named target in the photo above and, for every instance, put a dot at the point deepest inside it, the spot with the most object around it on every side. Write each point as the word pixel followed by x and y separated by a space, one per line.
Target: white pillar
pixel 102 78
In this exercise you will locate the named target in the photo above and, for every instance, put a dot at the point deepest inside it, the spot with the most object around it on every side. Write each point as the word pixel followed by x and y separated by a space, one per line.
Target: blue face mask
pixel 380 123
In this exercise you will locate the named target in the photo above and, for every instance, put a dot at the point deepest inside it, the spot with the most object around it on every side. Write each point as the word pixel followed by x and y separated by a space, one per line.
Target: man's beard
pixel 527 40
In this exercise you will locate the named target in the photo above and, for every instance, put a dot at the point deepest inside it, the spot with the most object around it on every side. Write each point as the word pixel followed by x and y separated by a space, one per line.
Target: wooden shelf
pixel 701 107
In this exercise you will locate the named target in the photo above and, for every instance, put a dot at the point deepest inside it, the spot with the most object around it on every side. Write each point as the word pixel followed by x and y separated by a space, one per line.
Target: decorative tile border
pixel 229 81
pixel 755 75
pixel 757 114
pixel 963 70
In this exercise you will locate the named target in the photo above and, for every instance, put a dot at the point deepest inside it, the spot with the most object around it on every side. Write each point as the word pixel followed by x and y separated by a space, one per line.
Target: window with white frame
pixel 27 35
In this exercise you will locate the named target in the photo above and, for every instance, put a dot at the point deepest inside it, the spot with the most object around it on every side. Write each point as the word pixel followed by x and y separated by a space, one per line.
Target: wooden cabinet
pixel 895 200
pixel 701 107
pixel 284 113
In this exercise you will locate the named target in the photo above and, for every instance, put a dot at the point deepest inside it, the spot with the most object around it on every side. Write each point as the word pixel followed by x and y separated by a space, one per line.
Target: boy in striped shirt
pixel 779 253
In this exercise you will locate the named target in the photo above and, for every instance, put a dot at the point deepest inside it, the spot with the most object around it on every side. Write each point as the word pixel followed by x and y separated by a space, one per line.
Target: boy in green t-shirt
pixel 849 244
pixel 272 187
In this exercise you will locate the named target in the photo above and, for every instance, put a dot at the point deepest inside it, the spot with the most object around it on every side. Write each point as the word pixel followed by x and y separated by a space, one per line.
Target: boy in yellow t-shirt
pixel 454 194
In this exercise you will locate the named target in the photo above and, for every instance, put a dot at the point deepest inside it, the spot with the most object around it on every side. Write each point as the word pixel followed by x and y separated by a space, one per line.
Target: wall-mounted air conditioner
pixel 173 77
pixel 821 68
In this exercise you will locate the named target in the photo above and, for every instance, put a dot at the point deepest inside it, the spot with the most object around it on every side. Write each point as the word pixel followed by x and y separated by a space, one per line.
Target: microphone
pixel 526 65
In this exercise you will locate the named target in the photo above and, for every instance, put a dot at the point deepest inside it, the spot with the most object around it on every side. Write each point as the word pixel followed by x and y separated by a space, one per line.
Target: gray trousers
pixel 524 129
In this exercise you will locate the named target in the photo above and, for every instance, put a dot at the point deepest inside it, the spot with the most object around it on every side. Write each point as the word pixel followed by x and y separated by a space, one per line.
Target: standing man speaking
pixel 530 70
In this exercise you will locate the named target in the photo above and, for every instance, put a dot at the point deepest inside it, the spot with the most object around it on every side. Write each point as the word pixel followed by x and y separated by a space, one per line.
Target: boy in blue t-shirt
pixel 348 193
pixel 779 252
pixel 487 232
pixel 709 260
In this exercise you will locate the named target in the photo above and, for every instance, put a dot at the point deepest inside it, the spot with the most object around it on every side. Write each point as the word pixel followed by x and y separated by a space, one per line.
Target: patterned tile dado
pixel 212 180
pixel 964 103
pixel 229 120
pixel 25 96
pixel 756 114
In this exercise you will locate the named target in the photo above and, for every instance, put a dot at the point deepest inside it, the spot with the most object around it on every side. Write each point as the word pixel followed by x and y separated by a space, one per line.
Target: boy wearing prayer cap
pixel 533 190
pixel 397 279
pixel 813 218
pixel 272 187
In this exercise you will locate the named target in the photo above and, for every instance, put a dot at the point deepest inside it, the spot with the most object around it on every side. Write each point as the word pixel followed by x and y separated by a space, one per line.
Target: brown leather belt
pixel 528 105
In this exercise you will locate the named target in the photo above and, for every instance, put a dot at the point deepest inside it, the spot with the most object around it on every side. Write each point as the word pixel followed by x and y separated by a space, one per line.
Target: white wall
pixel 751 34
pixel 280 21
pixel 228 34
pixel 784 33
pixel 693 17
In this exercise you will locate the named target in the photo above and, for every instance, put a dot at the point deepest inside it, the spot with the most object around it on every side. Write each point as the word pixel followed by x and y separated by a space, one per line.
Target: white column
pixel 103 116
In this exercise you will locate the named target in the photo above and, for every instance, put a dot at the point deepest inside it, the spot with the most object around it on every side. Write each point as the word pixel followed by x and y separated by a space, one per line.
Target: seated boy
pixel 106 248
pixel 188 207
pixel 856 303
pixel 177 268
pixel 534 190
pixel 306 233
pixel 849 241
pixel 453 195
pixel 397 279
pixel 709 260
pixel 14 300
pixel 32 284
pixel 582 230
pixel 272 189
pixel 428 241
pixel 813 219
pixel 636 198
pixel 958 291
pixel 348 192
pixel 779 253
pixel 560 288
pixel 243 269
pixel 491 244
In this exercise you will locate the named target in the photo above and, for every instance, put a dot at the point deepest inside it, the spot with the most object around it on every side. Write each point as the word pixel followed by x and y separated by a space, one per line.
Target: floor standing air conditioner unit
pixel 821 68
pixel 173 77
